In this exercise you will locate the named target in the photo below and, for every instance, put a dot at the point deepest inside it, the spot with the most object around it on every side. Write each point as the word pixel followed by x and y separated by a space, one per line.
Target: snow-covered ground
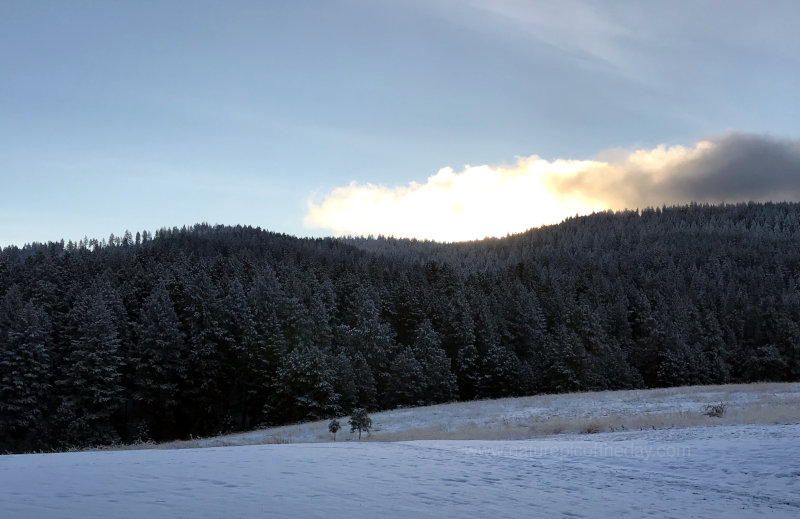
pixel 541 415
pixel 723 471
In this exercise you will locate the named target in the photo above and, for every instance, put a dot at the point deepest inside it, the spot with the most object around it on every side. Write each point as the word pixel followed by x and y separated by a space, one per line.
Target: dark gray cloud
pixel 731 168
pixel 742 167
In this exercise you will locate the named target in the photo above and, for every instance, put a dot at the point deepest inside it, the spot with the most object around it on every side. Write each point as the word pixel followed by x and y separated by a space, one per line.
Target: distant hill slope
pixel 205 329
pixel 545 415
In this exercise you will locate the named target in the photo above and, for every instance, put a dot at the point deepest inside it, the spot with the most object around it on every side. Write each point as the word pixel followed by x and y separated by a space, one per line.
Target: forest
pixel 199 330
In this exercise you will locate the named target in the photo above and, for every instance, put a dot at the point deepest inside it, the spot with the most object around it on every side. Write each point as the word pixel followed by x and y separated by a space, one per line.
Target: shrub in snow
pixel 716 410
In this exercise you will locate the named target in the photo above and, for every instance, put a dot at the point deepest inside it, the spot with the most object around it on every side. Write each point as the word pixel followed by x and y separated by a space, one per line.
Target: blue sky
pixel 139 115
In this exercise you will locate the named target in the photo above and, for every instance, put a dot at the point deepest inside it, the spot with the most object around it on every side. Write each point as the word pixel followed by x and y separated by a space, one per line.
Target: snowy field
pixel 654 453
pixel 543 415
pixel 723 471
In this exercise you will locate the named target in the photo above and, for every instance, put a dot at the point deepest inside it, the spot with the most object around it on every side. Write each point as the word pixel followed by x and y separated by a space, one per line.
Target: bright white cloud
pixel 477 202
pixel 483 201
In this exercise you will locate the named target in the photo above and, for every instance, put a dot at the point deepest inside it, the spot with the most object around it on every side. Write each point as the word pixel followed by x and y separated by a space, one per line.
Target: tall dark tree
pixel 437 380
pixel 405 381
pixel 158 367
pixel 237 350
pixel 89 381
pixel 304 389
pixel 203 396
pixel 24 378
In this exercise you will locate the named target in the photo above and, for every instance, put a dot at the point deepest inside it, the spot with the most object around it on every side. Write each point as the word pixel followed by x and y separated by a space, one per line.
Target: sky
pixel 435 119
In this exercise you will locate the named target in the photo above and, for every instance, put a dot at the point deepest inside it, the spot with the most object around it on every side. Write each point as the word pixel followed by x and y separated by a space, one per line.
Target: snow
pixel 723 471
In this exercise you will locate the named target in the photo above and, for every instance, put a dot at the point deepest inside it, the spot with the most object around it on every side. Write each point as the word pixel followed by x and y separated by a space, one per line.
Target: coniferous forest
pixel 201 330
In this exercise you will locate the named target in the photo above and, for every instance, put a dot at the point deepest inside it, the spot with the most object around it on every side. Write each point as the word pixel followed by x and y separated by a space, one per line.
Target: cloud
pixel 574 27
pixel 731 168
pixel 482 201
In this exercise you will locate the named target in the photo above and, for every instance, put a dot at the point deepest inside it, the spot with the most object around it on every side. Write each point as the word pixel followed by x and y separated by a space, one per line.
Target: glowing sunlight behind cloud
pixel 477 202
pixel 485 201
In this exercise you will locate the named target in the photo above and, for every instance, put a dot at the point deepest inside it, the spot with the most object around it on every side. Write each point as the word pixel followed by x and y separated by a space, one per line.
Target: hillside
pixel 568 414
pixel 202 330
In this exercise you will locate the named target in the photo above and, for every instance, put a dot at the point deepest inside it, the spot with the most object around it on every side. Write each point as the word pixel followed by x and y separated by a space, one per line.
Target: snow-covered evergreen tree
pixel 438 384
pixel 89 381
pixel 24 377
pixel 157 362
pixel 304 389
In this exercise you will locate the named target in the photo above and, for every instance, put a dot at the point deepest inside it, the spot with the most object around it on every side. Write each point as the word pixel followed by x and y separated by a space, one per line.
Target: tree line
pixel 208 329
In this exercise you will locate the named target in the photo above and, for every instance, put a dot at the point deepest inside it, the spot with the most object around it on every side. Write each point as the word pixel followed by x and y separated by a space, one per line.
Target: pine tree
pixel 90 382
pixel 304 388
pixel 237 351
pixel 157 363
pixel 334 427
pixel 437 380
pixel 467 367
pixel 24 384
pixel 364 382
pixel 268 302
pixel 501 373
pixel 366 333
pixel 405 381
pixel 205 340
pixel 360 421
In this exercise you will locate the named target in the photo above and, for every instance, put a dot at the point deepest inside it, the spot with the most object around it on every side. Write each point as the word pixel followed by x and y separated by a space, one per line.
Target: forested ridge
pixel 208 329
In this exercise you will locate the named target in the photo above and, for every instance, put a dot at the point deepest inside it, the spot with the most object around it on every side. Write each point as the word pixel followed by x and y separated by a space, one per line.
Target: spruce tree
pixel 437 380
pixel 89 381
pixel 405 381
pixel 360 421
pixel 157 362
pixel 24 379
pixel 304 389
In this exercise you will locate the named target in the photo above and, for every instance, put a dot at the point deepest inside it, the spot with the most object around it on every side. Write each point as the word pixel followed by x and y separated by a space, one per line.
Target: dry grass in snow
pixel 543 415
